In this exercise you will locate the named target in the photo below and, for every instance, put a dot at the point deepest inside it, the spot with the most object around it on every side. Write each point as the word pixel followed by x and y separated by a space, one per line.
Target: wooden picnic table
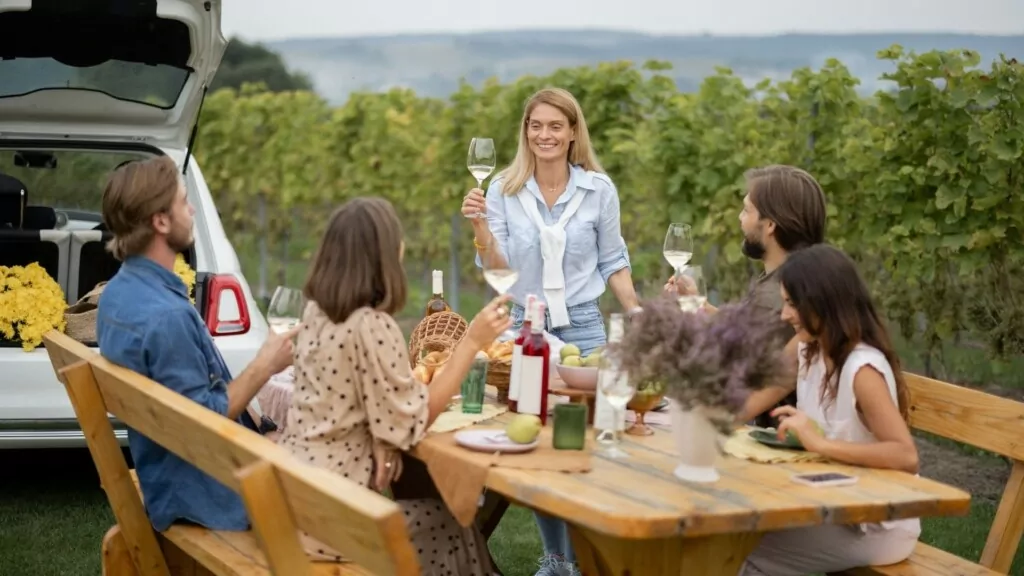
pixel 633 516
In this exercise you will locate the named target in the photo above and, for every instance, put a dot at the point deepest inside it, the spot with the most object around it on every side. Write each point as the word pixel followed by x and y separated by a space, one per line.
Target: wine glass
pixel 499 275
pixel 678 247
pixel 481 161
pixel 696 296
pixel 285 309
pixel 618 389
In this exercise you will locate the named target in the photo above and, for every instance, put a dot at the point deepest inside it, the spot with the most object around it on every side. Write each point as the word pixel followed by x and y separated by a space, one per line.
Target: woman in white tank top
pixel 850 383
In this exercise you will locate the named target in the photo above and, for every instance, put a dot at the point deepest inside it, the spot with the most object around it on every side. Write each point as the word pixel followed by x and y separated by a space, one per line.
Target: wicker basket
pixel 80 318
pixel 498 372
pixel 438 332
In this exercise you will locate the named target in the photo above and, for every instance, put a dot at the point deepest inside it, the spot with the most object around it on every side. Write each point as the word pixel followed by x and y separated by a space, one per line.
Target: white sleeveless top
pixel 839 419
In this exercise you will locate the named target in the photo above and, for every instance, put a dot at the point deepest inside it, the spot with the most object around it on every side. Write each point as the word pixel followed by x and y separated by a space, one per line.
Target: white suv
pixel 86 85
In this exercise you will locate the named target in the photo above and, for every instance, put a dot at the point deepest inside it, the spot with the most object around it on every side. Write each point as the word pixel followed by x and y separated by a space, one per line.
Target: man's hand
pixel 680 286
pixel 277 352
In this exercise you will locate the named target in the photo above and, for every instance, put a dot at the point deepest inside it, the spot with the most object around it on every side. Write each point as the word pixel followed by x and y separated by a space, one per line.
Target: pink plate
pixel 490 441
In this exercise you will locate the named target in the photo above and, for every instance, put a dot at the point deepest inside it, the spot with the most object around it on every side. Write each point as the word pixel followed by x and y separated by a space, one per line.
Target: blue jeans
pixel 585 330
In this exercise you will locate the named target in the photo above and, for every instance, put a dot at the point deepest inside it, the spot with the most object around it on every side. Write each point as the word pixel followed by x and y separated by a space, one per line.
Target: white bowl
pixel 578 377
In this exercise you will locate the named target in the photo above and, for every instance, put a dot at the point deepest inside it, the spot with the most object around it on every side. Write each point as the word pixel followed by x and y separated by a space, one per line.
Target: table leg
pixel 718 555
pixel 488 518
pixel 491 513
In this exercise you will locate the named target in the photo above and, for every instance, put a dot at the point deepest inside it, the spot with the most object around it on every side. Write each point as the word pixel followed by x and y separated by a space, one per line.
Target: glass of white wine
pixel 285 310
pixel 481 161
pixel 678 247
pixel 693 297
pixel 618 389
pixel 499 275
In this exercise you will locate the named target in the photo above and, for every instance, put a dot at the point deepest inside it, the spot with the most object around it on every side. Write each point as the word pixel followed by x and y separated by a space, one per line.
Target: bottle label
pixel 530 385
pixel 515 372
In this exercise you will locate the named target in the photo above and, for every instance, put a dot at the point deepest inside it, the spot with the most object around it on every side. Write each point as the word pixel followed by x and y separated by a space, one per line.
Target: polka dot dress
pixel 354 387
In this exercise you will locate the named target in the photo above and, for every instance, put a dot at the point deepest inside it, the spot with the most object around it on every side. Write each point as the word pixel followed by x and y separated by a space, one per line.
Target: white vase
pixel 697 444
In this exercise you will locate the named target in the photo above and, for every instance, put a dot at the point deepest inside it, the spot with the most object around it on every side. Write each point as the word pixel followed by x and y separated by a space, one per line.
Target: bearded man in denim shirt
pixel 146 323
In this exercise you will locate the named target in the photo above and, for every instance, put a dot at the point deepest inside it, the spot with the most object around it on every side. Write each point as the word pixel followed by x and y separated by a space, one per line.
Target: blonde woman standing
pixel 554 217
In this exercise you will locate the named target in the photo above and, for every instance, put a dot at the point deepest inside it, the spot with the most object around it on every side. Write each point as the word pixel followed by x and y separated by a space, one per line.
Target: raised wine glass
pixel 285 310
pixel 694 298
pixel 678 248
pixel 481 161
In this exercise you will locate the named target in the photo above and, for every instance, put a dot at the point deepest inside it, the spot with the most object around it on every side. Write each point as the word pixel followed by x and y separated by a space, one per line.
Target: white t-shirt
pixel 839 419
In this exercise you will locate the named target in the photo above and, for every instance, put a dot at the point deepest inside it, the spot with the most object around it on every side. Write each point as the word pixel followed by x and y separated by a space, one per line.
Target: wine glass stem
pixel 479 183
pixel 615 430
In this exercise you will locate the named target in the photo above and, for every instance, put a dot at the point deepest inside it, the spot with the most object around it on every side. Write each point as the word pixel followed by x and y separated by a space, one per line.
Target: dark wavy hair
pixel 835 307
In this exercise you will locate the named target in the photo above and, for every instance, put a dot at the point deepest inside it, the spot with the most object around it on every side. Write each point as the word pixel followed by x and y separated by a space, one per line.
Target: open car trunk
pixel 107 70
pixel 76 259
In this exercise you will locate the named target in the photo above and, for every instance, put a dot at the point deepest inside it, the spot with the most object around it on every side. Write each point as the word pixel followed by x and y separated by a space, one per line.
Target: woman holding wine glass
pixel 552 216
pixel 356 405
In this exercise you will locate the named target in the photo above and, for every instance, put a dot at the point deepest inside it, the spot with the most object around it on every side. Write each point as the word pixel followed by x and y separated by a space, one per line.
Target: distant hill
pixel 432 64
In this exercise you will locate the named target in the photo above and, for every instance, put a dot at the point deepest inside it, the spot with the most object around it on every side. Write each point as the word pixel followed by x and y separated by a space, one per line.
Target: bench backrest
pixel 987 422
pixel 279 490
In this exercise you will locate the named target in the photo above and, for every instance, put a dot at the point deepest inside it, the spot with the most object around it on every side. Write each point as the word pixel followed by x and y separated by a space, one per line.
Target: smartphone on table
pixel 824 479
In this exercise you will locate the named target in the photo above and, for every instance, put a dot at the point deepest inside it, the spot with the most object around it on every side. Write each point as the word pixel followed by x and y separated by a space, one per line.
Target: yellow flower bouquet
pixel 31 304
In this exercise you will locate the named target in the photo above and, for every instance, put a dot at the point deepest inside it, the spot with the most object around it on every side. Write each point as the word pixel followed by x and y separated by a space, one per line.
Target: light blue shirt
pixel 594 247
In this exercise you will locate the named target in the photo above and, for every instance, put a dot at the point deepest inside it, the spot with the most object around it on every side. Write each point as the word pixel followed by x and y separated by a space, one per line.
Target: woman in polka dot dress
pixel 356 403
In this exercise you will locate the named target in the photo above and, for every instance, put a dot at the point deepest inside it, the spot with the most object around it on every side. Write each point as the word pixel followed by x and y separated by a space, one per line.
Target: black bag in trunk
pixel 13 199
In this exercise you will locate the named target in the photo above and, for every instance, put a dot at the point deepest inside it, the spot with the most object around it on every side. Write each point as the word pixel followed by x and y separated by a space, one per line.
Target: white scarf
pixel 552 250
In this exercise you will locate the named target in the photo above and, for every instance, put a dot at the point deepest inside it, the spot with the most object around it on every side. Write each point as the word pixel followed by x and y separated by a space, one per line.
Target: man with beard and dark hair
pixel 783 211
pixel 145 322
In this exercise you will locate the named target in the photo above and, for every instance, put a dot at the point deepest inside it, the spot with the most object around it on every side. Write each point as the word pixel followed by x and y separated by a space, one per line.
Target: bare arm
pixel 767 398
pixel 621 285
pixel 273 356
pixel 895 447
pixel 486 247
pixel 246 385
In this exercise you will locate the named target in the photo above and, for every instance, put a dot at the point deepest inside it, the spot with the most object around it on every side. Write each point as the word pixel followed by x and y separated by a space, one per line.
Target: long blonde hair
pixel 581 153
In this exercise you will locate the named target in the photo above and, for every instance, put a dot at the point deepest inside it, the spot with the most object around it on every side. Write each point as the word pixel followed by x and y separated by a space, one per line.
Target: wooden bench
pixel 281 493
pixel 987 422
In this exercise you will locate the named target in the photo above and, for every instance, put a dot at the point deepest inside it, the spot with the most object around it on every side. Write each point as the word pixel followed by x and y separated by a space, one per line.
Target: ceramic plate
pixel 490 441
pixel 769 438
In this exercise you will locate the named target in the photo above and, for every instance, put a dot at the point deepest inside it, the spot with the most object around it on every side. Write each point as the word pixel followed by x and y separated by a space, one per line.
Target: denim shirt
pixel 594 247
pixel 146 323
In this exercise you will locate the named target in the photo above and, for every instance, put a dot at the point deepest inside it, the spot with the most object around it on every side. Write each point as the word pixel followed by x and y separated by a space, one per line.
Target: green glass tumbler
pixel 473 386
pixel 570 428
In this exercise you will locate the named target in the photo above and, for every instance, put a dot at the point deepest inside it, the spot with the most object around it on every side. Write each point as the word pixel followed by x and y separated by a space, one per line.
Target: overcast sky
pixel 276 19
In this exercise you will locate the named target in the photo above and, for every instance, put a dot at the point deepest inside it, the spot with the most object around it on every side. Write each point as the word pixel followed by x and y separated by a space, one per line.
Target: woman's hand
pixel 803 428
pixel 474 204
pixel 489 323
pixel 387 466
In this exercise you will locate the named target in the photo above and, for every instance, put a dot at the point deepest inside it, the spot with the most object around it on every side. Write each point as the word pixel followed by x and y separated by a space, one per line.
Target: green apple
pixel 575 361
pixel 569 350
pixel 523 429
pixel 594 360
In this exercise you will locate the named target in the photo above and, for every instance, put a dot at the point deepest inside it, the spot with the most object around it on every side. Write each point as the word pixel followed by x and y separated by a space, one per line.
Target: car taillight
pixel 226 311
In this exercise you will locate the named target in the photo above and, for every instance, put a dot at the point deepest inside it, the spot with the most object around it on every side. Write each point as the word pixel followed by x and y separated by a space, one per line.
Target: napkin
pixel 460 474
pixel 741 445
pixel 455 419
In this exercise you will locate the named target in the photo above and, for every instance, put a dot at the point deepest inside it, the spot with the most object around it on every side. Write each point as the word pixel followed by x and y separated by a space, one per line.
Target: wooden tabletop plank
pixel 640 498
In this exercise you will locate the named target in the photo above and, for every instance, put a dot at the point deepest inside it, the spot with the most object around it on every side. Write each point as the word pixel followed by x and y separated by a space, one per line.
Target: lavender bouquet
pixel 710 362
